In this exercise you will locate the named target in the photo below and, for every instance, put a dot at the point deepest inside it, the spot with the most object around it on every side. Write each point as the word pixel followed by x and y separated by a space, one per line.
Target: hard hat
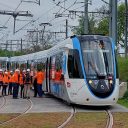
pixel 6 72
pixel 28 70
pixel 11 71
pixel 1 70
pixel 17 70
pixel 24 70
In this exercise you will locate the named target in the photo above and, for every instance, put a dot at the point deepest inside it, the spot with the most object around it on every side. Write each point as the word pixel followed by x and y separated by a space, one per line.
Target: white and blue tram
pixel 87 64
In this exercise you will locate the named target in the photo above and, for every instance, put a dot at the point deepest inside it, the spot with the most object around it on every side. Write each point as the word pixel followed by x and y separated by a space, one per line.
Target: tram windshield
pixel 97 56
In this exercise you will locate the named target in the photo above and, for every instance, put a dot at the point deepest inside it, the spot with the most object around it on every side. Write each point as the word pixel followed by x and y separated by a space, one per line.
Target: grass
pixel 36 120
pixel 6 117
pixel 123 102
pixel 123 68
pixel 120 120
pixel 88 120
pixel 53 120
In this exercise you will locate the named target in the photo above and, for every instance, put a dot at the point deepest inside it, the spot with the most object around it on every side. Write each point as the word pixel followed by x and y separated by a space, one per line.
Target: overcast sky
pixel 44 13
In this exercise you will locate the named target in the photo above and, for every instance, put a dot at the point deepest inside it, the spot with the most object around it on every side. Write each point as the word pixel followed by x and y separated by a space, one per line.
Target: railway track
pixel 3 103
pixel 109 120
pixel 73 111
pixel 30 104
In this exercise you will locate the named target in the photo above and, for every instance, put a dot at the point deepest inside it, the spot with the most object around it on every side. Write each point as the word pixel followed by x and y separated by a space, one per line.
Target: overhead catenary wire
pixel 38 17
pixel 11 16
pixel 35 19
pixel 105 2
pixel 66 9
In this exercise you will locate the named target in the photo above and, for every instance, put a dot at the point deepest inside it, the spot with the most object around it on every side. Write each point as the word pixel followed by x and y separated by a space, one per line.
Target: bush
pixel 123 68
pixel 126 95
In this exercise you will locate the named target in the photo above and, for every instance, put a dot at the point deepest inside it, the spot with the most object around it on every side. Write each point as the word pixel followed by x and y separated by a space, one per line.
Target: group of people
pixel 21 80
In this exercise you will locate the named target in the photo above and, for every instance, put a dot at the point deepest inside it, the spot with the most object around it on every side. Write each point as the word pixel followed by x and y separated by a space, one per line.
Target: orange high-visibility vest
pixel 57 76
pixel 21 79
pixel 15 78
pixel 40 77
pixel 10 78
pixel 1 77
pixel 5 79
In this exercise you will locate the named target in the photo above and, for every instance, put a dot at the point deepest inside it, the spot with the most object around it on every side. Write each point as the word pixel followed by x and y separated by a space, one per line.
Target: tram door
pixel 48 75
pixel 45 69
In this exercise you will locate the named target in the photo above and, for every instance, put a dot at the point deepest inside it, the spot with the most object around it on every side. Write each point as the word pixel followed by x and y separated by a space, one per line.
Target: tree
pixel 103 27
pixel 80 30
pixel 100 25
pixel 121 22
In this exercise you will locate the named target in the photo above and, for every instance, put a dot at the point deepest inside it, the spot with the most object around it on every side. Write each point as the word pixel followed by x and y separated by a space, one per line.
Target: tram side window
pixel 74 65
pixel 59 61
pixel 56 67
pixel 41 66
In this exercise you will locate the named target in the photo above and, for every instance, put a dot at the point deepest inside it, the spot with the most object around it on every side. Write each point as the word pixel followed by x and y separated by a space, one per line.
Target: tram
pixel 80 70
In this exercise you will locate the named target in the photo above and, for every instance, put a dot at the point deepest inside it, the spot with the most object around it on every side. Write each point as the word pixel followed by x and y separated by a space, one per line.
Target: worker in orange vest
pixel 1 79
pixel 27 84
pixel 10 83
pixel 21 83
pixel 35 83
pixel 5 83
pixel 57 75
pixel 40 78
pixel 16 84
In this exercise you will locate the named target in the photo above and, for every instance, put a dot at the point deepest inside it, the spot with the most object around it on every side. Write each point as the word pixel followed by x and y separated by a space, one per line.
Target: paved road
pixel 48 104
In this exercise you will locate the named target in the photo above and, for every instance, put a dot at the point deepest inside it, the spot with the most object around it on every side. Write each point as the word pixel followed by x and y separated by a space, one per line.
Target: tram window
pixel 58 62
pixel 41 66
pixel 74 65
pixel 56 66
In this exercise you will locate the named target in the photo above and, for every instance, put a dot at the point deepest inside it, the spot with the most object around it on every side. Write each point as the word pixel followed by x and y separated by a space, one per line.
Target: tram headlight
pixel 90 81
pixel 110 81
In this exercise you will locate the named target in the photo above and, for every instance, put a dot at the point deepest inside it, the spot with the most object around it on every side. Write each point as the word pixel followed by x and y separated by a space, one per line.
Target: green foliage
pixel 126 95
pixel 92 24
pixel 123 102
pixel 121 21
pixel 80 29
pixel 123 68
pixel 6 53
pixel 101 26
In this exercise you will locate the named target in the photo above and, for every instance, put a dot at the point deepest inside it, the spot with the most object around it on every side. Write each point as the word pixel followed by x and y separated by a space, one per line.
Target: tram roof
pixel 43 54
pixel 3 58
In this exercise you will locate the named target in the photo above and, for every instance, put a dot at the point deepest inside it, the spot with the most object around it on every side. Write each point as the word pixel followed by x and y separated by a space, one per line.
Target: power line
pixel 15 14
pixel 10 16
pixel 30 1
pixel 105 2
pixel 37 18
pixel 65 9
pixel 32 21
